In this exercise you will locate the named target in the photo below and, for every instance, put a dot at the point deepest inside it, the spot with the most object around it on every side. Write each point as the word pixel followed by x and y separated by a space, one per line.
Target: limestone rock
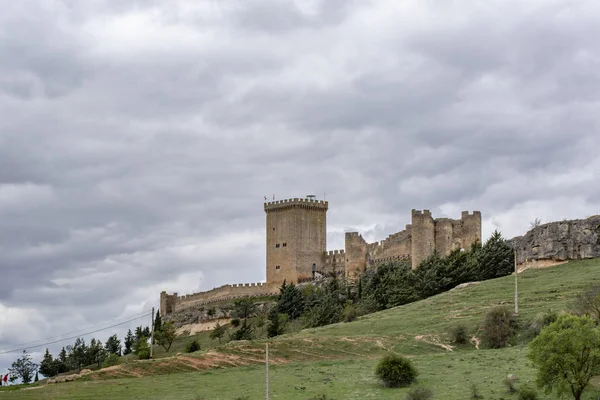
pixel 563 240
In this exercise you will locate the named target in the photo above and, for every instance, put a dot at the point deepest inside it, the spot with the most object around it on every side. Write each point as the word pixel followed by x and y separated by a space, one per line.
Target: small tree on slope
pixel 567 355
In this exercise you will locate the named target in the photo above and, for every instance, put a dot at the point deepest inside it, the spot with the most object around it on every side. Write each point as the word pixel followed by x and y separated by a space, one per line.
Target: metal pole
pixel 267 362
pixel 152 333
pixel 516 286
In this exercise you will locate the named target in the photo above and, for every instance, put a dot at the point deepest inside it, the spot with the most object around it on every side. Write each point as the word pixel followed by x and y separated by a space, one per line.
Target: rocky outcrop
pixel 564 240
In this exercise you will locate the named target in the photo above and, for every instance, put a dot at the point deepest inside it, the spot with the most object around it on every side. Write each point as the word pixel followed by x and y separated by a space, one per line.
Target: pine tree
pixel 129 342
pixel 48 366
pixel 113 345
pixel 291 301
pixel 36 377
pixel 157 322
pixel 218 332
pixel 274 327
pixel 496 258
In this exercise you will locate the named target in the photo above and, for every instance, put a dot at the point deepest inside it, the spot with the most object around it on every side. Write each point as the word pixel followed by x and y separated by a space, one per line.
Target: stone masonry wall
pixel 225 292
pixel 560 241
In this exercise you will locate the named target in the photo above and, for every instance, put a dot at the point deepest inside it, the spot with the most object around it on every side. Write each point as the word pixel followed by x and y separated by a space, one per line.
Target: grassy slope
pixel 338 360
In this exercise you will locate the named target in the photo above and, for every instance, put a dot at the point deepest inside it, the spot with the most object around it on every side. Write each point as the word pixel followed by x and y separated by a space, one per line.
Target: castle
pixel 296 244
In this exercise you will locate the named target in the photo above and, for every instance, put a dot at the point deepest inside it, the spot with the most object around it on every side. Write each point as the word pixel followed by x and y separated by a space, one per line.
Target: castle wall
pixel 397 246
pixel 335 261
pixel 225 292
pixel 444 235
pixel 356 254
pixel 423 236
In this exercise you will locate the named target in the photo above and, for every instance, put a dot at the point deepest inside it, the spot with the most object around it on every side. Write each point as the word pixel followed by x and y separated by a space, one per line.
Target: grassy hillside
pixel 338 360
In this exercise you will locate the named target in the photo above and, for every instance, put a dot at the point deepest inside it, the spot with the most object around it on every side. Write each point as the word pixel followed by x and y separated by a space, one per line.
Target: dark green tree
pixel 218 332
pixel 244 308
pixel 290 301
pixel 48 366
pixel 129 342
pixel 37 378
pixel 274 327
pixel 567 355
pixel 23 368
pixel 97 353
pixel 245 332
pixel 166 336
pixel 157 322
pixel 79 354
pixel 113 345
pixel 496 258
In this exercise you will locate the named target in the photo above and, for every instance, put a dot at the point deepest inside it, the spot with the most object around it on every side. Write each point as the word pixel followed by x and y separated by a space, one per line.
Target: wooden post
pixel 267 362
pixel 152 333
pixel 516 286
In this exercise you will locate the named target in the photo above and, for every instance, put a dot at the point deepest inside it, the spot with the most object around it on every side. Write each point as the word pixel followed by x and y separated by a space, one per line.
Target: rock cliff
pixel 563 240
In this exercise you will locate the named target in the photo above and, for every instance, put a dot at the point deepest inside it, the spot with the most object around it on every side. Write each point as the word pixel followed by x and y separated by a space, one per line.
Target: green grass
pixel 339 360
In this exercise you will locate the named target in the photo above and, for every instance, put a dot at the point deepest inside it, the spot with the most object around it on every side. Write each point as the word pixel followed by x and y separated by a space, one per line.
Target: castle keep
pixel 296 249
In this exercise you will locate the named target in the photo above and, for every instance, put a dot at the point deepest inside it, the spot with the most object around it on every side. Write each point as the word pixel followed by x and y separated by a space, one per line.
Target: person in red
pixel 5 378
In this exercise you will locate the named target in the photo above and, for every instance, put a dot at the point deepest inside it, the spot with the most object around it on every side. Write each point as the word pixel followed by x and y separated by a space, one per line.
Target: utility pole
pixel 152 333
pixel 267 362
pixel 516 286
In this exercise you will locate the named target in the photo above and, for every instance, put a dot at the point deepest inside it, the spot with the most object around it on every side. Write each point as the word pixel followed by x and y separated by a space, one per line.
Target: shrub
pixel 527 393
pixel 419 393
pixel 350 313
pixel 499 324
pixel 588 303
pixel 192 347
pixel 540 321
pixel 475 393
pixel 510 381
pixel 459 334
pixel 244 333
pixel 396 371
pixel 235 322
pixel 111 360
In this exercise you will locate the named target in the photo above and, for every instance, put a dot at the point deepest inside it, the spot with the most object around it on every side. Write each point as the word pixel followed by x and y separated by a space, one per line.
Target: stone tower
pixel 423 236
pixel 296 239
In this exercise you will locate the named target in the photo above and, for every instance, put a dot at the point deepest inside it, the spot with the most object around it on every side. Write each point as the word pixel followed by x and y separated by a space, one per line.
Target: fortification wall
pixel 225 292
pixel 559 241
pixel 334 261
pixel 356 254
pixel 397 246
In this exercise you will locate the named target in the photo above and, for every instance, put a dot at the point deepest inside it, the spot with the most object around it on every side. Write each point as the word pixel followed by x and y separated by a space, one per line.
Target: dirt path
pixel 434 340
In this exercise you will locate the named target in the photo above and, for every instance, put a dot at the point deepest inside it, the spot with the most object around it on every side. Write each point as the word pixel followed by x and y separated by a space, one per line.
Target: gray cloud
pixel 137 139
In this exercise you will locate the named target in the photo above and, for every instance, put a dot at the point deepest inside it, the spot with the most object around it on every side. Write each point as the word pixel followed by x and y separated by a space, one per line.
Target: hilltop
pixel 338 360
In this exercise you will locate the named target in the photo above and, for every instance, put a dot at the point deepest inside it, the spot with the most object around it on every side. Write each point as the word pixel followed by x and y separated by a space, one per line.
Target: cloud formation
pixel 137 139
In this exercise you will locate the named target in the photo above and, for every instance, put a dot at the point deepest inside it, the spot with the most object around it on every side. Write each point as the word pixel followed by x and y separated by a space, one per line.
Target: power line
pixel 73 332
pixel 73 337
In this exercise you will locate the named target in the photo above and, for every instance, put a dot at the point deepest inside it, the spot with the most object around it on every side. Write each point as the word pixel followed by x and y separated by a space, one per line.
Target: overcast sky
pixel 139 138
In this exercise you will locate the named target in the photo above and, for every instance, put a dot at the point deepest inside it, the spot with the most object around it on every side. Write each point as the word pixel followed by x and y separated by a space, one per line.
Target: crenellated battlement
pixel 296 202
pixel 466 214
pixel 419 213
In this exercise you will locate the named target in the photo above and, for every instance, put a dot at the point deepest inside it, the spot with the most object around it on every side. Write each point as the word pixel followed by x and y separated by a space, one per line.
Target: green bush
pixel 350 313
pixel 192 347
pixel 235 322
pixel 498 326
pixel 540 321
pixel 459 334
pixel 475 393
pixel 244 333
pixel 510 382
pixel 396 371
pixel 111 360
pixel 527 393
pixel 419 393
